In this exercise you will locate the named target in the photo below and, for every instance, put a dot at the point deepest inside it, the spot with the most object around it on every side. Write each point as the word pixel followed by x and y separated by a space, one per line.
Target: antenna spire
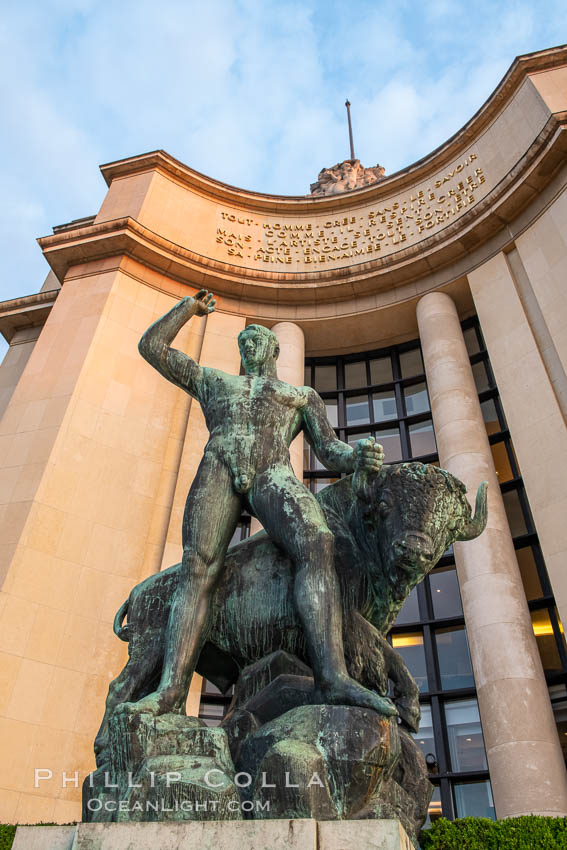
pixel 347 104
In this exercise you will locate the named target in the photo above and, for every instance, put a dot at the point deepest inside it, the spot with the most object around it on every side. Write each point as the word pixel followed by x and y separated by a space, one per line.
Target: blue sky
pixel 251 93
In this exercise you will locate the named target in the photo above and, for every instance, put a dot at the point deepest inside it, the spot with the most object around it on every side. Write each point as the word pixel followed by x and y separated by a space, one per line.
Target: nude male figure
pixel 252 419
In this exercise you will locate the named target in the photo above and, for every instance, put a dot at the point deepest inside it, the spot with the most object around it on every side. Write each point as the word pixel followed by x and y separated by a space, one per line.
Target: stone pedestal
pixel 218 835
pixel 44 838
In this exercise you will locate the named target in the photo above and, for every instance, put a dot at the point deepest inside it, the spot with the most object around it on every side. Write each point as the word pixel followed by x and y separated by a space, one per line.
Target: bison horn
pixel 476 525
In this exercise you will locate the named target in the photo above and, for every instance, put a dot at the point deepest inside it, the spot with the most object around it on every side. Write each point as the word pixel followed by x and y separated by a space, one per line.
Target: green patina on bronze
pixel 296 617
pixel 252 420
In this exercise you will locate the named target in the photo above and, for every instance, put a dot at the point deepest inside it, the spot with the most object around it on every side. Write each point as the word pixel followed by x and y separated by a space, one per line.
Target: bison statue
pixel 390 529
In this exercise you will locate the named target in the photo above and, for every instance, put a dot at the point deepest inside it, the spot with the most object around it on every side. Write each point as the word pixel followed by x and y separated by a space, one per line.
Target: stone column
pixel 291 364
pixel 525 363
pixel 524 756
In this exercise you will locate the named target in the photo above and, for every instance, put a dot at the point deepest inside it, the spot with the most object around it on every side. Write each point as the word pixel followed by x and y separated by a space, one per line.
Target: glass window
pixel 409 612
pixel 307 376
pixel 384 406
pixel 325 378
pixel 514 458
pixel 417 400
pixel 501 462
pixel 411 363
pixel 480 377
pixel 561 632
pixel 546 643
pixel 425 738
pixel 466 744
pixel 381 371
pixel 320 483
pixel 357 410
pixel 474 799
pixel 471 341
pixel 422 438
pixel 331 406
pixel 410 647
pixel 445 592
pixel 212 713
pixel 434 811
pixel 490 416
pixel 238 534
pixel 355 375
pixel 314 462
pixel 528 571
pixel 390 441
pixel 514 512
pixel 454 659
pixel 481 338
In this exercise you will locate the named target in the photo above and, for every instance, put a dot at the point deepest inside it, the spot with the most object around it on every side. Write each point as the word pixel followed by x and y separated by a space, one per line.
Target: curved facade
pixel 429 309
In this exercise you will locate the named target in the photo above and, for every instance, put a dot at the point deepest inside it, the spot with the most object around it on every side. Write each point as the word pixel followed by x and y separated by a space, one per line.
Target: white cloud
pixel 250 93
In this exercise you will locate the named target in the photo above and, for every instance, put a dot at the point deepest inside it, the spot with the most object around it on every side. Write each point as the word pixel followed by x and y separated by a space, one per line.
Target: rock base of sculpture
pixel 168 768
pixel 276 756
pixel 319 761
pixel 349 762
pixel 218 835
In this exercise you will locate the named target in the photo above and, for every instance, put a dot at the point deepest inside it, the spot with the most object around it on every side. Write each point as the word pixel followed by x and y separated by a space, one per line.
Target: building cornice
pixel 77 245
pixel 161 161
pixel 27 312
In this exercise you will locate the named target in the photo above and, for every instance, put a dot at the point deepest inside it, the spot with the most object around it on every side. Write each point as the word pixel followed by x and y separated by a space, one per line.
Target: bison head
pixel 412 512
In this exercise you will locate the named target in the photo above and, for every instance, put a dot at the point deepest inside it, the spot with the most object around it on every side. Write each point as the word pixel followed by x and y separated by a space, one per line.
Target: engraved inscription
pixel 361 235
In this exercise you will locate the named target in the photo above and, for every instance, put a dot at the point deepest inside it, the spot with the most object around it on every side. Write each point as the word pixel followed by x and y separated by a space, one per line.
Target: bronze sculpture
pixel 295 617
pixel 252 419
pixel 390 530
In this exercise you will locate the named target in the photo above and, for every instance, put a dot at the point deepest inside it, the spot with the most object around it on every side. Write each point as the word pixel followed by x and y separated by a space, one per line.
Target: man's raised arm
pixel 154 345
pixel 332 452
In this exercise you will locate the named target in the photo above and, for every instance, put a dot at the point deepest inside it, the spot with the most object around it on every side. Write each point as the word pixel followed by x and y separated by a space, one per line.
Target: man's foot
pixel 157 703
pixel 345 691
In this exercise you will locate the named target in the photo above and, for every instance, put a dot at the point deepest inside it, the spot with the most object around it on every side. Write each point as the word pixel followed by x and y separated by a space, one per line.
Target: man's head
pixel 259 350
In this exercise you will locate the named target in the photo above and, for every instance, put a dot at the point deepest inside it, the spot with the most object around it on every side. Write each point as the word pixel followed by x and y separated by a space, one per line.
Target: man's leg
pixel 211 515
pixel 294 519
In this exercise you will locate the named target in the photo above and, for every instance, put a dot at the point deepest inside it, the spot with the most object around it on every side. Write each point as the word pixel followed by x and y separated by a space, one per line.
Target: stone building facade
pixel 428 309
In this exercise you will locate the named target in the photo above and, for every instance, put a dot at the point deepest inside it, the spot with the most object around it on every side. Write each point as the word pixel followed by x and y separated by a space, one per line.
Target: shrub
pixel 6 836
pixel 525 833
